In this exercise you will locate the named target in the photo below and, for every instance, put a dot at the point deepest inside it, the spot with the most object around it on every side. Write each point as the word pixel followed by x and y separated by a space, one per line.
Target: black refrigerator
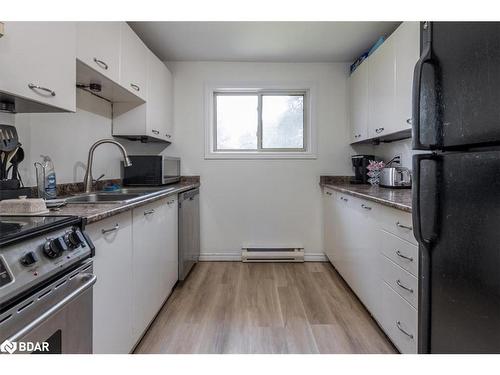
pixel 456 195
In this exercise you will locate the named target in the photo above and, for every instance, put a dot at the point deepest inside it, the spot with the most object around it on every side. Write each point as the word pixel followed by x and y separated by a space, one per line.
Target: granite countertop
pixel 93 212
pixel 395 198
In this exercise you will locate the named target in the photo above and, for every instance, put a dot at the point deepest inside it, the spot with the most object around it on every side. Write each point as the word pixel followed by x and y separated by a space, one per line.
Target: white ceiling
pixel 261 41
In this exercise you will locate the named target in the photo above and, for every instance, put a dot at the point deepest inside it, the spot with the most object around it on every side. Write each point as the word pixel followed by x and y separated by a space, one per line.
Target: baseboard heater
pixel 269 254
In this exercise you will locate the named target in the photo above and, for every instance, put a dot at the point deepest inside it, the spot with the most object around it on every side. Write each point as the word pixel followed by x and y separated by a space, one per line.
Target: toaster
pixel 395 177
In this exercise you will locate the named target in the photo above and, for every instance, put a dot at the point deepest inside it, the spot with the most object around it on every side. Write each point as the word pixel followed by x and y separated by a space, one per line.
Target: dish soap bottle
pixel 50 178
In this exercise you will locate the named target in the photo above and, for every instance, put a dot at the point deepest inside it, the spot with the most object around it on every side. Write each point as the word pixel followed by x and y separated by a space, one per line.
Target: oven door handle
pixel 89 280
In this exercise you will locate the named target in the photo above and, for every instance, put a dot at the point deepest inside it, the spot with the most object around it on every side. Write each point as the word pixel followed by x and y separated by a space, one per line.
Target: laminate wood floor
pixel 234 307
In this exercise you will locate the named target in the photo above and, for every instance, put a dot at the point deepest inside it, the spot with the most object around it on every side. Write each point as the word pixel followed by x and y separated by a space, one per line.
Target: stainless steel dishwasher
pixel 189 231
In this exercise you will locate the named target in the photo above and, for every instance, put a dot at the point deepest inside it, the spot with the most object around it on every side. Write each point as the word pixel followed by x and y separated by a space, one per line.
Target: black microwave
pixel 151 170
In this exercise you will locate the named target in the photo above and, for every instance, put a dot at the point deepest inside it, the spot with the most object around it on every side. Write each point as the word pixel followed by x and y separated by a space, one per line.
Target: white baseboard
pixel 234 257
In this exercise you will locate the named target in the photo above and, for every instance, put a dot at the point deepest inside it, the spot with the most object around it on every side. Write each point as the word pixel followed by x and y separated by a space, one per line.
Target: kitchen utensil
pixel 15 161
pixel 6 159
pixel 8 138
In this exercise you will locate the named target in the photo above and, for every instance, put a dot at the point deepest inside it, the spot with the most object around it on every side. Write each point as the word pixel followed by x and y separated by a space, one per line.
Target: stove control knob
pixel 74 239
pixel 55 247
pixel 28 259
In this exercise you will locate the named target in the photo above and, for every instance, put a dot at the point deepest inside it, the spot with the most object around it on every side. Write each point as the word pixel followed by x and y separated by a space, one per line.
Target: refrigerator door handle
pixel 417 225
pixel 425 58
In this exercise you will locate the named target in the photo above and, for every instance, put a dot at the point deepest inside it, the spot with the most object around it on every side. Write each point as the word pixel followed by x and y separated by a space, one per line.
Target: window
pixel 253 123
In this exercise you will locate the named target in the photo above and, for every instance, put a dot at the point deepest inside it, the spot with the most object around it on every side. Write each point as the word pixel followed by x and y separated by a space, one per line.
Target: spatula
pixel 8 138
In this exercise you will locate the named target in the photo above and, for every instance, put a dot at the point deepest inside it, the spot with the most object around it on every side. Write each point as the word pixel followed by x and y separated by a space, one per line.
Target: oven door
pixel 55 320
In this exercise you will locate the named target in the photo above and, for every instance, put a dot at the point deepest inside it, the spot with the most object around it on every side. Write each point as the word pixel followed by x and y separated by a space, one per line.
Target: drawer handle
pixel 366 207
pixel 328 193
pixel 408 121
pixel 399 254
pixel 399 225
pixel 155 131
pixel 36 87
pixel 135 87
pixel 379 130
pixel 344 199
pixel 398 324
pixel 116 227
pixel 101 63
pixel 171 202
pixel 168 136
pixel 149 212
pixel 403 286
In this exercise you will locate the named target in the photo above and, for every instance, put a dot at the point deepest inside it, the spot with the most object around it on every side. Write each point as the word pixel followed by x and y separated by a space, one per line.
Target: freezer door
pixel 457 223
pixel 456 86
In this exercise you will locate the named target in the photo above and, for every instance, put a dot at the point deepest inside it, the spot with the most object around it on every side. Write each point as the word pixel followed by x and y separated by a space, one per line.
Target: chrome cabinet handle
pixel 366 207
pixel 408 121
pixel 101 63
pixel 403 286
pixel 170 202
pixel 399 225
pixel 399 254
pixel 398 324
pixel 328 193
pixel 36 87
pixel 155 131
pixel 379 130
pixel 135 87
pixel 168 136
pixel 116 227
pixel 149 212
pixel 344 199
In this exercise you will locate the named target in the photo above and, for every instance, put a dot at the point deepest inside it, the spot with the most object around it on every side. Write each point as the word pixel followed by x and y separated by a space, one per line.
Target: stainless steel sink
pixel 125 195
pixel 105 198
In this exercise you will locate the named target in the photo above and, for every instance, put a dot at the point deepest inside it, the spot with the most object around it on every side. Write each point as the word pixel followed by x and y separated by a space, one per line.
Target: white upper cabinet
pixel 381 90
pixel 98 46
pixel 406 47
pixel 37 64
pixel 381 86
pixel 133 62
pixel 154 119
pixel 358 103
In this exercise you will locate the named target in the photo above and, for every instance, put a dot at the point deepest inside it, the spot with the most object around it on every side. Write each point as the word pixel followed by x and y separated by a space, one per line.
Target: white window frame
pixel 309 136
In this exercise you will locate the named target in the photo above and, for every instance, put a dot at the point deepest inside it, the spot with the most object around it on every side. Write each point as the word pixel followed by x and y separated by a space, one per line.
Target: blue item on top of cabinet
pixel 377 44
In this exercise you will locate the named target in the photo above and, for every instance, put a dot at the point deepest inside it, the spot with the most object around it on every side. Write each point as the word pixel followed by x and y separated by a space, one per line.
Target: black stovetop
pixel 14 228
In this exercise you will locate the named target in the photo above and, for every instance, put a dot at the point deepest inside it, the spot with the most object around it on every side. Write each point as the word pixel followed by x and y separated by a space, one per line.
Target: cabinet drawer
pixel 399 223
pixel 399 320
pixel 405 284
pixel 403 253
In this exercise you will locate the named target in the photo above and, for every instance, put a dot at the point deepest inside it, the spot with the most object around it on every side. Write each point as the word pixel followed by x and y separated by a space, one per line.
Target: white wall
pixel 67 137
pixel 388 150
pixel 260 202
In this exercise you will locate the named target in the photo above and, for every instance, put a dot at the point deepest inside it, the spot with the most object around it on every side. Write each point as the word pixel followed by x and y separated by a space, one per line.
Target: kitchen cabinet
pixel 154 119
pixel 98 46
pixel 154 259
pixel 133 62
pixel 358 103
pixel 112 305
pixel 36 68
pixel 377 258
pixel 381 90
pixel 381 87
pixel 406 50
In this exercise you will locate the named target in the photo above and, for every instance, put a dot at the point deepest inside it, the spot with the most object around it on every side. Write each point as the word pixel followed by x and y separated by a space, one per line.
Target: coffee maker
pixel 359 163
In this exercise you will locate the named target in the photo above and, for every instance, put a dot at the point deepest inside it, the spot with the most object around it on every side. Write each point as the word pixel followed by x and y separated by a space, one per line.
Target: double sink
pixel 125 195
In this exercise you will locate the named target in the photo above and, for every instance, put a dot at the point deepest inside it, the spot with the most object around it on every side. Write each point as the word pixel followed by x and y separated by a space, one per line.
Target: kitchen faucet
pixel 87 180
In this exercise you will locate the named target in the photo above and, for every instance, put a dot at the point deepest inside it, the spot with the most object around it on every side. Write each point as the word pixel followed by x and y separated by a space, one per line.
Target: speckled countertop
pixel 97 211
pixel 395 198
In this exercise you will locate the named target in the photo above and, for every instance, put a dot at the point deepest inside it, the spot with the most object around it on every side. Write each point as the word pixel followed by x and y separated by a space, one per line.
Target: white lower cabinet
pixel 375 262
pixel 136 265
pixel 112 237
pixel 154 257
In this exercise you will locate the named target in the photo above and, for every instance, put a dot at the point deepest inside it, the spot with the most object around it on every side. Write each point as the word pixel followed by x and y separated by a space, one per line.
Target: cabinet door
pixel 98 46
pixel 358 103
pixel 407 47
pixel 133 62
pixel 159 100
pixel 170 252
pixel 381 90
pixel 112 293
pixel 35 66
pixel 329 224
